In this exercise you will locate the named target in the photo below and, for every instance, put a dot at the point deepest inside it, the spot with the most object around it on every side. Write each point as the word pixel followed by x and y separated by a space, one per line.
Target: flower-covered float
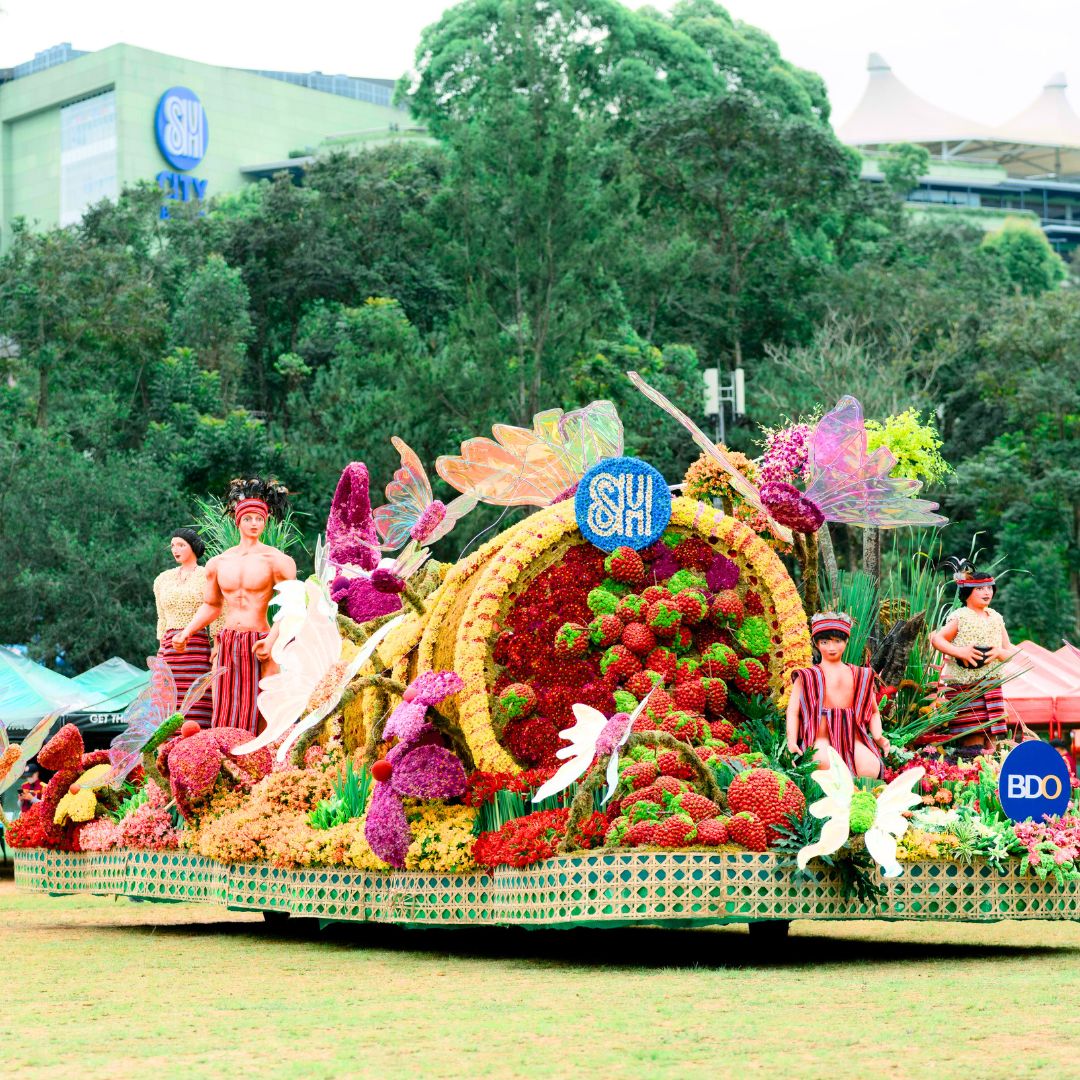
pixel 581 722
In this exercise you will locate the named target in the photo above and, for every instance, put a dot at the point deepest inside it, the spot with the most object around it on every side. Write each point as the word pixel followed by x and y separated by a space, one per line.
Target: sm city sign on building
pixel 1034 781
pixel 182 136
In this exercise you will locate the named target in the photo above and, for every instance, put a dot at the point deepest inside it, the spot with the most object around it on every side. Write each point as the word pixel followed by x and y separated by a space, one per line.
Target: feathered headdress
pixel 964 573
pixel 253 491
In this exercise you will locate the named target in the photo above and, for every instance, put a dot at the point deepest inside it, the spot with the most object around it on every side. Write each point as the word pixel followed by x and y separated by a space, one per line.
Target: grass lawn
pixel 97 987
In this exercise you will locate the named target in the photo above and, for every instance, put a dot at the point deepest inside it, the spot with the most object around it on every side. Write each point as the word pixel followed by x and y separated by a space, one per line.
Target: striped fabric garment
pixel 844 725
pixel 186 667
pixel 989 708
pixel 237 691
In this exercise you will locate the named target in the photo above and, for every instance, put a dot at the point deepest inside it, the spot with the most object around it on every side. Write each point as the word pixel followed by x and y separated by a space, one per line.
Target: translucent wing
pixel 834 834
pixel 738 481
pixel 284 696
pixel 30 745
pixel 141 719
pixel 367 650
pixel 408 495
pixel 583 437
pixel 524 473
pixel 162 686
pixel 455 511
pixel 198 688
pixel 853 487
pixel 581 751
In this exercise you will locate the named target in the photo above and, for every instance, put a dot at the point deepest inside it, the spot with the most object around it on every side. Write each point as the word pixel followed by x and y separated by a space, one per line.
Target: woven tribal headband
pixel 248 506
pixel 831 620
pixel 968 579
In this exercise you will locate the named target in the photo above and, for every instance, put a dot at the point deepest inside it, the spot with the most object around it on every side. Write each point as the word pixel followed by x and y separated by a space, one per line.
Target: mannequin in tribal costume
pixel 242 579
pixel 835 704
pixel 178 594
pixel 974 642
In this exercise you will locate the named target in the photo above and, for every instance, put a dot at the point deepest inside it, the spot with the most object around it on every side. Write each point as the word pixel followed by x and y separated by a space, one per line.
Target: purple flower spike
pixel 387 828
pixel 429 772
pixel 722 574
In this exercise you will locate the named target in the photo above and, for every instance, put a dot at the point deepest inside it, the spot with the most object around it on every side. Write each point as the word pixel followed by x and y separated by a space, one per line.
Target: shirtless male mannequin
pixel 834 704
pixel 243 579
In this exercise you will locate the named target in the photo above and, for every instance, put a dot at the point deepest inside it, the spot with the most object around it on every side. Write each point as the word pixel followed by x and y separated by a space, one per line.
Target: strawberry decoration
pixel 690 696
pixel 605 630
pixel 638 638
pixel 712 832
pixel 664 662
pixel 752 678
pixel 624 564
pixel 715 698
pixel 769 795
pixel 720 662
pixel 727 609
pixel 572 639
pixel 619 662
pixel 746 830
pixel 518 700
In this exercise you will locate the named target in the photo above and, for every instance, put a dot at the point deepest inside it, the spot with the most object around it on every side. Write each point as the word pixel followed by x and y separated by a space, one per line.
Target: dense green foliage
pixel 605 189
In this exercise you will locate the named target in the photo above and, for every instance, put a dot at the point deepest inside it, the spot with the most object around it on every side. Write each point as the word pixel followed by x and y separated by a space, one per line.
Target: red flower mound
pixel 694 553
pixel 605 630
pixel 746 830
pixel 690 696
pixel 769 795
pixel 533 740
pixel 63 751
pixel 533 838
pixel 670 764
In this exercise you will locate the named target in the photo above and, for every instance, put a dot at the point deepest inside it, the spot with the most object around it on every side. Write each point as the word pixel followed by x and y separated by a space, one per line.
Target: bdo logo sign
pixel 182 130
pixel 1034 781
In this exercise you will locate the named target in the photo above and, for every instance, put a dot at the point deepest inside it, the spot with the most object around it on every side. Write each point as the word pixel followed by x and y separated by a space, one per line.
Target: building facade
pixel 79 127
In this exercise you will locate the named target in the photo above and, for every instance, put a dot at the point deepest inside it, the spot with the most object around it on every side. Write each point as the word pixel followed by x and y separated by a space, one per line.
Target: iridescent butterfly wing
pixel 30 745
pixel 853 487
pixel 738 481
pixel 408 495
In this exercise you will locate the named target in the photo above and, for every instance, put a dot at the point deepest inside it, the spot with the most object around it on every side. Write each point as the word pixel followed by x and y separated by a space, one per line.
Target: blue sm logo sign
pixel 181 127
pixel 1034 781
pixel 622 501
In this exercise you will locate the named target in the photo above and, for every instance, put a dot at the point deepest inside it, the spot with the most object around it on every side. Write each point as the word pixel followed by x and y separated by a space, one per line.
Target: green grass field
pixel 97 987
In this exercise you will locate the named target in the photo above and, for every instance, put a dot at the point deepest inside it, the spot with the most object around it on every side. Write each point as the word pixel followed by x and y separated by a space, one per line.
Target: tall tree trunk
pixel 872 566
pixel 43 397
pixel 828 557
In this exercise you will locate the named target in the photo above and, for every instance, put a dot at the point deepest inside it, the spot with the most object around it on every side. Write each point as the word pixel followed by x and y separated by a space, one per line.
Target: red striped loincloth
pixel 985 713
pixel 188 666
pixel 237 691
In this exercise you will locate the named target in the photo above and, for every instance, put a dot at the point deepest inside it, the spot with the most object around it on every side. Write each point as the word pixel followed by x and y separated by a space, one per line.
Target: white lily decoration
pixel 841 803
pixel 592 734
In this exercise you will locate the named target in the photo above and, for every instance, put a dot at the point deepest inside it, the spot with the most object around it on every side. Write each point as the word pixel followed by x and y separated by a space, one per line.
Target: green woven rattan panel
pixel 587 889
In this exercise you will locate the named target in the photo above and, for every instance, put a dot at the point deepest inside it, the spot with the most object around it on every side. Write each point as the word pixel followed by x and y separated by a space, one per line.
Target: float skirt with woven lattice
pixel 592 889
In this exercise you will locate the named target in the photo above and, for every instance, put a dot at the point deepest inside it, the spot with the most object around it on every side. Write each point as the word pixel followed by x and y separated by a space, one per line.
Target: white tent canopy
pixel 890 112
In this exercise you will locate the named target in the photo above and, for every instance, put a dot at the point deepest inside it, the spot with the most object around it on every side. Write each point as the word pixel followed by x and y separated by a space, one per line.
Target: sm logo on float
pixel 622 502
pixel 1034 781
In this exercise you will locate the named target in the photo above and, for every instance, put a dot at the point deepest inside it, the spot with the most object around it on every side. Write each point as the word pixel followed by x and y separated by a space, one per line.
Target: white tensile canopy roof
pixel 890 112
pixel 1042 140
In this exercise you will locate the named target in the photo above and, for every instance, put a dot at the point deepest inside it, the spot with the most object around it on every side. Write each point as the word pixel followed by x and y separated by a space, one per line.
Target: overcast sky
pixel 985 59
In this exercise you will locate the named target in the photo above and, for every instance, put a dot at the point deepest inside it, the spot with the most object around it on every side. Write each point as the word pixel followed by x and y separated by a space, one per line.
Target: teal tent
pixel 29 691
pixel 107 691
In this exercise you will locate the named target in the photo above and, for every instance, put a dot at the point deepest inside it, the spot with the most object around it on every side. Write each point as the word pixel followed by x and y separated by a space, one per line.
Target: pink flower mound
pixel 791 507
pixel 433 687
pixel 361 601
pixel 613 732
pixel 407 721
pixel 428 522
pixel 722 574
pixel 149 828
pixel 386 827
pixel 429 772
pixel 63 751
pixel 101 834
pixel 386 581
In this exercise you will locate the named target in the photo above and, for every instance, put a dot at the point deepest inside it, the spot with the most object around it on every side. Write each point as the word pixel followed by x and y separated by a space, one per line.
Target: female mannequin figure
pixel 178 594
pixel 834 704
pixel 974 642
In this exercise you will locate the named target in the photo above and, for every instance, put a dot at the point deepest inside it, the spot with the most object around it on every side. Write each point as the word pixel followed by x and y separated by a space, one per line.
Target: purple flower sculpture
pixel 419 766
pixel 791 507
pixel 351 540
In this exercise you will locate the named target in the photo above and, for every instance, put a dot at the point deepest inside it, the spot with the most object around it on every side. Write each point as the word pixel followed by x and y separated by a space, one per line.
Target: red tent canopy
pixel 1045 688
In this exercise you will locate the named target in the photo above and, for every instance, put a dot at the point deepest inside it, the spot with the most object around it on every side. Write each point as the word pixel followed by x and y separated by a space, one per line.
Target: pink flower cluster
pixel 1063 833
pixel 786 449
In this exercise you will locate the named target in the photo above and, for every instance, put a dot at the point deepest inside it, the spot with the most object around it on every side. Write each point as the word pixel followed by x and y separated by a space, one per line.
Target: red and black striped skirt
pixel 188 666
pixel 985 713
pixel 237 691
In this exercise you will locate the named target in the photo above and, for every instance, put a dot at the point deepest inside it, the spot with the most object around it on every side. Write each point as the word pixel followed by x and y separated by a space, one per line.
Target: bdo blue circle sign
pixel 181 127
pixel 1034 781
pixel 620 502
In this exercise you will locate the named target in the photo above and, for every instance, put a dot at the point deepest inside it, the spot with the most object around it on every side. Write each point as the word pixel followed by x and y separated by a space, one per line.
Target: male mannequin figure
pixel 242 579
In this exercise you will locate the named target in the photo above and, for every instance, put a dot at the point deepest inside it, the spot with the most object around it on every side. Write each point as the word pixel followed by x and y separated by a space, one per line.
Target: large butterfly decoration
pixel 534 466
pixel 411 513
pixel 845 483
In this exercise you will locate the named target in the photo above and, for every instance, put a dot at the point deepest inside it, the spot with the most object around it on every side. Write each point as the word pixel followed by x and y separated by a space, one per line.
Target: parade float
pixel 607 713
